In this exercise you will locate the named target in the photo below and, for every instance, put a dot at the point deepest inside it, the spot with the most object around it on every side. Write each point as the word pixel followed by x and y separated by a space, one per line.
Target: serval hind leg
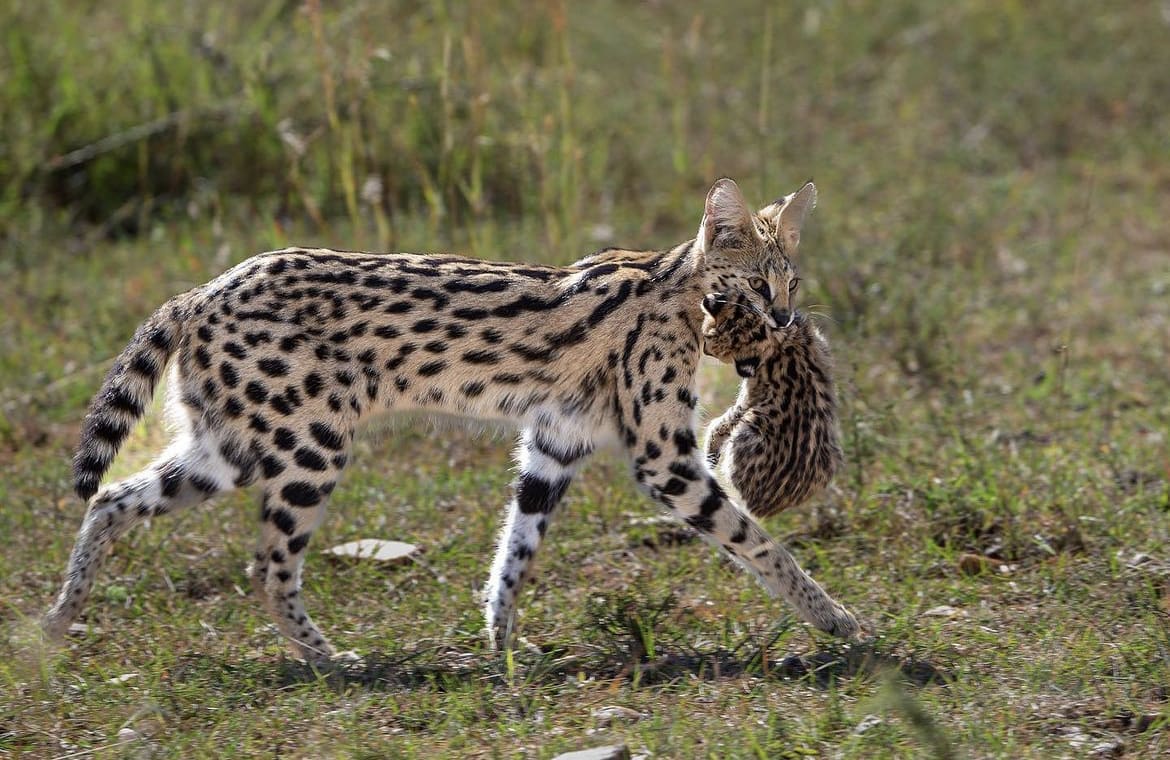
pixel 192 469
pixel 294 498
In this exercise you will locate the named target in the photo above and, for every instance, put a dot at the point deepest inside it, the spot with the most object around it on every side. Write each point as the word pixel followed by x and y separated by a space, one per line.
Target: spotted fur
pixel 779 444
pixel 277 360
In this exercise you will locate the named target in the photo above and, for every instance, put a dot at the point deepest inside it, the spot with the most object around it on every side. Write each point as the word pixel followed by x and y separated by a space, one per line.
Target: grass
pixel 990 249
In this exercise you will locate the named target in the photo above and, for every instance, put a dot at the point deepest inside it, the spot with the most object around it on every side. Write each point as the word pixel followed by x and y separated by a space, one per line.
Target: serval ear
pixel 727 220
pixel 793 211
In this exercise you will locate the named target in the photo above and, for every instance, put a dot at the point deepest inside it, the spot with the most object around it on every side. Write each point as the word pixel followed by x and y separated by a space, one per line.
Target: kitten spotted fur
pixel 779 443
pixel 277 360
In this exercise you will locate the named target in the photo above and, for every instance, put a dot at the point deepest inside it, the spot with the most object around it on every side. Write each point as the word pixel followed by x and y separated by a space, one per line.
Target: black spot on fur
pixel 313 384
pixel 145 366
pixel 285 439
pixel 289 343
pixel 685 470
pixel 255 392
pixel 535 495
pixel 203 484
pixel 273 367
pixel 310 459
pixel 284 521
pixel 327 436
pixel 171 479
pixel 228 374
pixel 479 356
pixel 271 466
pixel 399 307
pixel 203 357
pixel 430 369
pixel 472 389
pixel 282 405
pixel 301 494
pixel 701 523
pixel 108 430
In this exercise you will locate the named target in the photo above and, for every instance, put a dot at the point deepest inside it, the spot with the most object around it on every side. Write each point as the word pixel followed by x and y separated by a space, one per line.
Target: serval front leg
pixel 548 458
pixel 678 477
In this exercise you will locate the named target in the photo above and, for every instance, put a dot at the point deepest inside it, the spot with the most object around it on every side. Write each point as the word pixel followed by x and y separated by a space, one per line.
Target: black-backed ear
pixel 712 304
pixel 747 367
pixel 727 220
pixel 793 213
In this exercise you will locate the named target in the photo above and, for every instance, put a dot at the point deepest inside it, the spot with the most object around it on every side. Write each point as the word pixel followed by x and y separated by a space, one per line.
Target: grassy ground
pixel 991 248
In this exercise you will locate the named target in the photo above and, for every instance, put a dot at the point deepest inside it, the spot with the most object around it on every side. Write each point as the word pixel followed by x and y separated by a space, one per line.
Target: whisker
pixel 738 305
pixel 822 315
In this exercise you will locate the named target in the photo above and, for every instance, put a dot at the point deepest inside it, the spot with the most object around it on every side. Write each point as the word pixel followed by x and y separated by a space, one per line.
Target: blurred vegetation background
pixel 127 113
pixel 991 252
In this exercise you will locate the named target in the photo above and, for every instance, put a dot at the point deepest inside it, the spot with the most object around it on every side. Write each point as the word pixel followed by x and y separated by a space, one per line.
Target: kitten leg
pixel 718 432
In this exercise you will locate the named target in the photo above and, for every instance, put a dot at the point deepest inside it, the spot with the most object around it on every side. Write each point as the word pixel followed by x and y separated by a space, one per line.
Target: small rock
pixel 612 752
pixel 1076 736
pixel 1108 749
pixel 80 629
pixel 610 713
pixel 123 678
pixel 128 735
pixel 375 549
pixel 868 722
pixel 943 610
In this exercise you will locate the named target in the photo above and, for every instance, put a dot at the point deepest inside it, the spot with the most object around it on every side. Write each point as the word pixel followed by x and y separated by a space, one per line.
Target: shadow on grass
pixel 452 668
pixel 823 667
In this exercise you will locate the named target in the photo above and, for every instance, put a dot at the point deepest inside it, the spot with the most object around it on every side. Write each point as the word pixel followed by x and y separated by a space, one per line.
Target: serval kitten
pixel 779 444
pixel 278 359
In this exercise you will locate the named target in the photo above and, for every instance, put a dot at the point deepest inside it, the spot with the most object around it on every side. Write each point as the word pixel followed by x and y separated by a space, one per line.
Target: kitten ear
pixel 727 220
pixel 792 214
pixel 712 304
pixel 747 366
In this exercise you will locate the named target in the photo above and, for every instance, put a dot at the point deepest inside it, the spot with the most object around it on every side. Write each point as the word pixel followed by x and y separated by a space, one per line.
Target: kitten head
pixel 733 332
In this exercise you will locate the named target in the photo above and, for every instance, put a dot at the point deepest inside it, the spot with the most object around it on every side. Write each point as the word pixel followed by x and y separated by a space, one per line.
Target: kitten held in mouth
pixel 779 444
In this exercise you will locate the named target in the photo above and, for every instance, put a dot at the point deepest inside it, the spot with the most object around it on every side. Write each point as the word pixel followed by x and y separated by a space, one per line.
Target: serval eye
pixel 761 286
pixel 793 285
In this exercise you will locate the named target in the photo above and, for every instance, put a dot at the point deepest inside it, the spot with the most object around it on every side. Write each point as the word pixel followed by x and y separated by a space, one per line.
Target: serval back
pixel 277 360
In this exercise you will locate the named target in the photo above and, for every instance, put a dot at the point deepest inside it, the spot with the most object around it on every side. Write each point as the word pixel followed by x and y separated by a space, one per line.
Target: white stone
pixel 374 548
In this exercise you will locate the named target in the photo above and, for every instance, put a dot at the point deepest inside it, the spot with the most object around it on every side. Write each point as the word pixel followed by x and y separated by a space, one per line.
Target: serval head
pixel 748 256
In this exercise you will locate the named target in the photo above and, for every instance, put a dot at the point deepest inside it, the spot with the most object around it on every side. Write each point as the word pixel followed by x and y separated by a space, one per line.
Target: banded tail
pixel 124 395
